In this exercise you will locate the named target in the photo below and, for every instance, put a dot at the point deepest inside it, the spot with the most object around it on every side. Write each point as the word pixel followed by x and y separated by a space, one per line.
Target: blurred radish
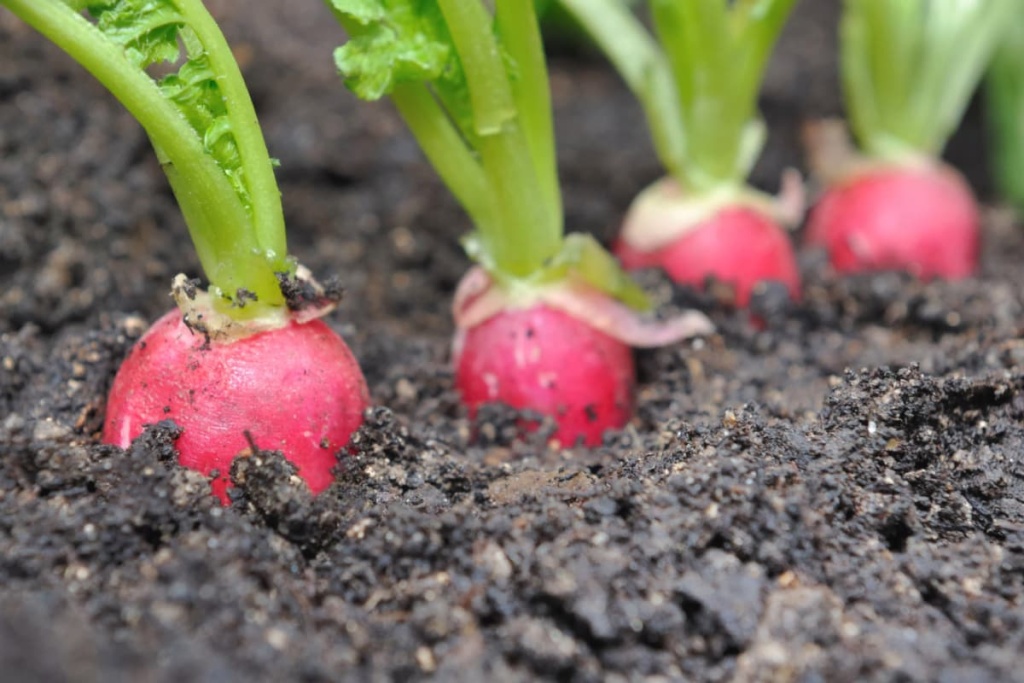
pixel 698 84
pixel 909 68
pixel 545 321
pixel 248 356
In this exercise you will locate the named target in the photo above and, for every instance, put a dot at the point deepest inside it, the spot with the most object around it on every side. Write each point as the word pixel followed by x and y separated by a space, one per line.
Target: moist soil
pixel 836 494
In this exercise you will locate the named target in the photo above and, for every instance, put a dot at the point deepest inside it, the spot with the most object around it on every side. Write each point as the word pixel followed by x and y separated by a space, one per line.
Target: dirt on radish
pixel 838 495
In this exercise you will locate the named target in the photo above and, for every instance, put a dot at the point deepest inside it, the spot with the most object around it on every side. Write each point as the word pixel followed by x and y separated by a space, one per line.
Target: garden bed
pixel 838 495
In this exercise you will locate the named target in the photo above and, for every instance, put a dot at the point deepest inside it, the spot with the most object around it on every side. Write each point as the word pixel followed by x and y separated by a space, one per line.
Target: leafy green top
pixel 472 86
pixel 1004 99
pixel 699 87
pixel 910 66
pixel 201 122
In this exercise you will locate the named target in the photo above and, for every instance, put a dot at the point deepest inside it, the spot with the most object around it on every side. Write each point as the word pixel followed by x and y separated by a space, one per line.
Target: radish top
pixel 201 122
pixel 472 85
pixel 909 68
pixel 1004 90
pixel 698 79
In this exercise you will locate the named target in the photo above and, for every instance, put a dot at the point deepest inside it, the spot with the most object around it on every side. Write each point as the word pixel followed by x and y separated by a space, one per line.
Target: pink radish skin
pixel 738 245
pixel 545 360
pixel 296 389
pixel 923 219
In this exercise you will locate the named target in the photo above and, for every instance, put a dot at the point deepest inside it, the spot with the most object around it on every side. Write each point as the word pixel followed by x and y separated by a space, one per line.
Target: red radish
pixel 296 389
pixel 545 321
pixel 546 360
pixel 738 246
pixel 921 218
pixel 909 70
pixel 247 356
pixel 737 243
pixel 562 350
pixel 698 78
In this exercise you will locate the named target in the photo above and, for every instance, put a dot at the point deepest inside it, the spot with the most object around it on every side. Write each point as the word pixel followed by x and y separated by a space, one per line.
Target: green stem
pixel 522 237
pixel 447 151
pixel 520 34
pixel 218 222
pixel 910 66
pixel 698 88
pixel 268 214
pixel 473 88
pixel 643 66
pixel 718 51
pixel 489 91
pixel 1004 90
pixel 691 35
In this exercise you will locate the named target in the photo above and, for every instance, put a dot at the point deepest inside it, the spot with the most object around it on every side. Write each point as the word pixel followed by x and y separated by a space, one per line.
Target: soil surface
pixel 836 496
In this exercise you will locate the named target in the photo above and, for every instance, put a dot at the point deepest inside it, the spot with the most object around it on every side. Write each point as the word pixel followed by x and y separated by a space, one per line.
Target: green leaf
pixel 396 42
pixel 391 42
pixel 147 30
pixel 152 31
pixel 194 90
pixel 362 12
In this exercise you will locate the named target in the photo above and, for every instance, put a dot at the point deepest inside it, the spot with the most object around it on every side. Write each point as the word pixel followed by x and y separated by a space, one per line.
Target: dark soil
pixel 838 496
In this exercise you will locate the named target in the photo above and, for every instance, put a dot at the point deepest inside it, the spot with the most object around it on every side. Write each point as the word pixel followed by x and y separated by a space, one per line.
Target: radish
pixel 909 69
pixel 247 359
pixel 545 322
pixel 741 238
pixel 562 350
pixel 699 90
pixel 558 367
pixel 306 402
pixel 921 218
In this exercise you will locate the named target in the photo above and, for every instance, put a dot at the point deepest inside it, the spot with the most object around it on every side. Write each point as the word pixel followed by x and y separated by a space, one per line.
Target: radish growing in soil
pixel 544 321
pixel 247 360
pixel 699 91
pixel 909 68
